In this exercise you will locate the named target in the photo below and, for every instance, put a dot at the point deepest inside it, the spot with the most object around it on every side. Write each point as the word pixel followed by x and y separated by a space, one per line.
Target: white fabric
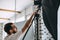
pixel 46 34
pixel 13 36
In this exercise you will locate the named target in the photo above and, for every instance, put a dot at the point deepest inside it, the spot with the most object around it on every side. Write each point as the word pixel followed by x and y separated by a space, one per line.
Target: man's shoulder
pixel 6 38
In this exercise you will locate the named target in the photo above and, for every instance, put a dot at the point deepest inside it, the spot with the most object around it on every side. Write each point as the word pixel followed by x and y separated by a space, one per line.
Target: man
pixel 12 32
pixel 50 9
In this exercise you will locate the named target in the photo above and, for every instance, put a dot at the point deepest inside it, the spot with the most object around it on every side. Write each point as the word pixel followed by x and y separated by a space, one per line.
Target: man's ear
pixel 11 31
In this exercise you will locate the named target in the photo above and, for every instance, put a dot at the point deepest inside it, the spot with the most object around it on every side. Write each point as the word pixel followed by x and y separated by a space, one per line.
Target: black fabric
pixel 37 2
pixel 50 8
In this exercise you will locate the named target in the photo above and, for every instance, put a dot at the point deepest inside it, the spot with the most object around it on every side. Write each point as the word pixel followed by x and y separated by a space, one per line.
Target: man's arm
pixel 27 23
pixel 17 35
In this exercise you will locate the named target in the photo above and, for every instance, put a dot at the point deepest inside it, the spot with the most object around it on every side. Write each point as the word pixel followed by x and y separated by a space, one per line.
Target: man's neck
pixel 9 34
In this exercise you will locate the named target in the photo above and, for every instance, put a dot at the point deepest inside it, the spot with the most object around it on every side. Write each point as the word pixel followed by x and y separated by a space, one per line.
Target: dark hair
pixel 7 27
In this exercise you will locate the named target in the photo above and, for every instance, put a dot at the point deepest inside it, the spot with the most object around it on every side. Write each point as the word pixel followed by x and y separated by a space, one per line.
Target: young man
pixel 12 32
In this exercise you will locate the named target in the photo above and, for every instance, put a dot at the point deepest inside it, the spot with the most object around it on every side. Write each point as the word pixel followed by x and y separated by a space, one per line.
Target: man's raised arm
pixel 27 23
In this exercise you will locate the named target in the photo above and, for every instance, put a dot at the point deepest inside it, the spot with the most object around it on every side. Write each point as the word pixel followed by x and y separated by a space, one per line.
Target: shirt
pixel 13 36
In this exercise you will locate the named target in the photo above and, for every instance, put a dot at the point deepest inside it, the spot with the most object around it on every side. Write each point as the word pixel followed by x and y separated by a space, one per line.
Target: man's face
pixel 14 29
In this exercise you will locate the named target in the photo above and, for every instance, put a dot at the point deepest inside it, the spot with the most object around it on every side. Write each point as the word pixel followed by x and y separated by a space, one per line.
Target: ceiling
pixel 19 5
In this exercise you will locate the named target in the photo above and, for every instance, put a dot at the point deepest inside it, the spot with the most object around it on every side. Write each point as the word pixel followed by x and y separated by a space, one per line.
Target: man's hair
pixel 7 27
